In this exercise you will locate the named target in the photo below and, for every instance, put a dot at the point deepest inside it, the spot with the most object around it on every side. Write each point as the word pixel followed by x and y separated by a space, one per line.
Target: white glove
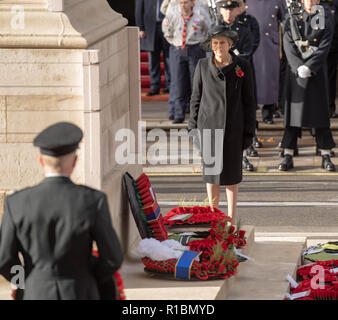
pixel 304 72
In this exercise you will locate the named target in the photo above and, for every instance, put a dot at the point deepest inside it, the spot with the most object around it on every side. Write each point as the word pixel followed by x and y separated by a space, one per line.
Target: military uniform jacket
pixel 306 100
pixel 251 23
pixel 53 225
pixel 244 44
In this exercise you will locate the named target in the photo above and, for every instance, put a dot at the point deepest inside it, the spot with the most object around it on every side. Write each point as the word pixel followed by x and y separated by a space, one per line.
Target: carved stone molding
pixel 73 24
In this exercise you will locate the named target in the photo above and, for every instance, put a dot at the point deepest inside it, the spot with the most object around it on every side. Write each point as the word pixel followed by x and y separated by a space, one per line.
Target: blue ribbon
pixel 154 216
pixel 184 263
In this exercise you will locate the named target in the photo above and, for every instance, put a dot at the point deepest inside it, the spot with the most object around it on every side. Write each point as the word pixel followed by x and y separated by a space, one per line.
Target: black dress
pixel 223 99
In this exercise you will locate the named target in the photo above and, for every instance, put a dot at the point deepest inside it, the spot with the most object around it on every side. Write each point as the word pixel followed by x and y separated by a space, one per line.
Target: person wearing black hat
pixel 54 224
pixel 223 105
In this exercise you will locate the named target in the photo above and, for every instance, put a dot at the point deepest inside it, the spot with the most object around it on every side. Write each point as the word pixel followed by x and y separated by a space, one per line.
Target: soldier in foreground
pixel 307 39
pixel 54 224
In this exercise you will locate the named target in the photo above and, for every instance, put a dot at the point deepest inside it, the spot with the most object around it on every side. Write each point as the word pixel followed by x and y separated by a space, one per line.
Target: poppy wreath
pixel 144 193
pixel 199 215
pixel 323 287
pixel 217 260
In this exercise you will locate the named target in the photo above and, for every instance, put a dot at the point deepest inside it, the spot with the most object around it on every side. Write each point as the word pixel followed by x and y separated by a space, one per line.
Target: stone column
pixel 67 60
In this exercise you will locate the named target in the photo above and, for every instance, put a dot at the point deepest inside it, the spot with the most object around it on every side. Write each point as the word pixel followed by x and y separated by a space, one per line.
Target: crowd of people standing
pixel 179 28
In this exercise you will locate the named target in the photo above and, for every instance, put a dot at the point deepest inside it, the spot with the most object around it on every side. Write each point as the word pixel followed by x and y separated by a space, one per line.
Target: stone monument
pixel 68 60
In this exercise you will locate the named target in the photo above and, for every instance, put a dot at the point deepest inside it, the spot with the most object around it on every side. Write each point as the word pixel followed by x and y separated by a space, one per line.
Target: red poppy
pixel 239 72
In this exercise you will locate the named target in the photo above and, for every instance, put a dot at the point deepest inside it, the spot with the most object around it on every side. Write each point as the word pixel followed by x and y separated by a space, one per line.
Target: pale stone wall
pixel 113 104
pixel 38 87
pixel 88 74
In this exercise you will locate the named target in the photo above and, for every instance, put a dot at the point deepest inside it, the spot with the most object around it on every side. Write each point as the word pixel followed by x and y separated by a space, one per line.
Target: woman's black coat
pixel 221 99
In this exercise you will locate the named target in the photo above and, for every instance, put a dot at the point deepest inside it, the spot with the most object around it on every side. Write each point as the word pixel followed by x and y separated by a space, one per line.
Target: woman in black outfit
pixel 223 101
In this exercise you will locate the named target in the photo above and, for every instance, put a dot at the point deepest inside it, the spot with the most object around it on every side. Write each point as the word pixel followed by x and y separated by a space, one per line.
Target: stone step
pixel 264 278
pixel 143 286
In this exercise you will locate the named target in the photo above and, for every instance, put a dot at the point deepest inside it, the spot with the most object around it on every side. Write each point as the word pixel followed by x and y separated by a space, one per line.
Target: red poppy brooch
pixel 239 72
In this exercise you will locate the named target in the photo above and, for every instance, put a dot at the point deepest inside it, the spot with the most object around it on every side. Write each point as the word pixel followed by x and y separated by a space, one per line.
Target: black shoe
pixel 327 164
pixel 276 115
pixel 334 115
pixel 256 143
pixel 247 166
pixel 165 91
pixel 178 121
pixel 171 118
pixel 152 93
pixel 251 152
pixel 268 121
pixel 286 164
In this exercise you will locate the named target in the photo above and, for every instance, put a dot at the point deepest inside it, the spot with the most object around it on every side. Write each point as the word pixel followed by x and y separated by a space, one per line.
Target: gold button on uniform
pixel 270 25
pixel 314 40
pixel 267 34
pixel 273 16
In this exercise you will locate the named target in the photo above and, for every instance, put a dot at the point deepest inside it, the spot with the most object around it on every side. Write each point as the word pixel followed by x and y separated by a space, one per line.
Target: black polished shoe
pixel 165 91
pixel 334 115
pixel 152 93
pixel 268 121
pixel 276 115
pixel 247 166
pixel 171 118
pixel 286 164
pixel 251 152
pixel 327 164
pixel 256 143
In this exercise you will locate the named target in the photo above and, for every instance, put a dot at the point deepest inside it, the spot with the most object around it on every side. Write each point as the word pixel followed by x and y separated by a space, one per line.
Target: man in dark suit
pixel 149 20
pixel 54 224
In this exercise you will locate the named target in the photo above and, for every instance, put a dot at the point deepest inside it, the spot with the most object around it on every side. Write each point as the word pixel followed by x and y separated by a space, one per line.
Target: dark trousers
pixel 267 111
pixel 161 45
pixel 332 61
pixel 323 137
pixel 183 65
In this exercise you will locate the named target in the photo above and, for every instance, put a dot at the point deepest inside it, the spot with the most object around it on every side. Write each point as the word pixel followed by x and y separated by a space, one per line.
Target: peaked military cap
pixel 59 139
pixel 228 4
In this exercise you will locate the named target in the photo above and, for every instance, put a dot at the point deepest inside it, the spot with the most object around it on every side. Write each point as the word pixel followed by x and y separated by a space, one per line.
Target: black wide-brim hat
pixel 59 139
pixel 219 31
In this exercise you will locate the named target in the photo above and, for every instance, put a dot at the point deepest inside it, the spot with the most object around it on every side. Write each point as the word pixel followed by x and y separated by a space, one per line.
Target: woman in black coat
pixel 223 111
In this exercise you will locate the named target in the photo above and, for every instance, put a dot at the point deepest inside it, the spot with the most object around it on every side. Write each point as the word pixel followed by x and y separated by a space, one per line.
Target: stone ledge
pixel 63 29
